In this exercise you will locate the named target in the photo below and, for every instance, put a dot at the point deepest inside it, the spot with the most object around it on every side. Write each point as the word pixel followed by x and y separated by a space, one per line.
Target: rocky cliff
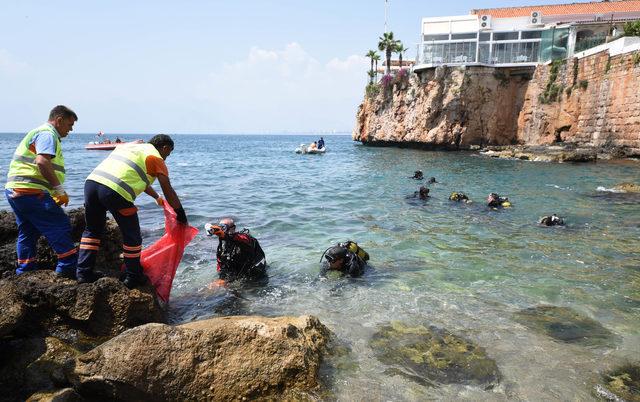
pixel 592 102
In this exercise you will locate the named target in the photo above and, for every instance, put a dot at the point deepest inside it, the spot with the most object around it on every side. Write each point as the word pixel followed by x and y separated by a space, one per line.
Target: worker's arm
pixel 149 190
pixel 45 166
pixel 171 197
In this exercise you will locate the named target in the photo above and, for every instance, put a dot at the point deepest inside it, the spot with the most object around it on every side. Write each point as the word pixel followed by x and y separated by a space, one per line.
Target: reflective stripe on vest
pixel 23 170
pixel 125 170
pixel 28 159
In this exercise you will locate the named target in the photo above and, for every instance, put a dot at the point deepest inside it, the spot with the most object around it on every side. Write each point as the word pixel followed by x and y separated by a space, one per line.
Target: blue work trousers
pixel 98 199
pixel 36 215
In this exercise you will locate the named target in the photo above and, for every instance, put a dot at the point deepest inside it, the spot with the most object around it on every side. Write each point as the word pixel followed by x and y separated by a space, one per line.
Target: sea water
pixel 462 267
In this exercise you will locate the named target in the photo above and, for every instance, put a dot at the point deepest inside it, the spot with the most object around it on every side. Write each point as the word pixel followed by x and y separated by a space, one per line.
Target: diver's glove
pixel 60 196
pixel 181 216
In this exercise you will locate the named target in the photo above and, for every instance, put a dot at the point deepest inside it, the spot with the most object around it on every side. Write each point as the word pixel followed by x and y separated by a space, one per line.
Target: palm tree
pixel 376 59
pixel 400 49
pixel 372 55
pixel 387 45
pixel 372 74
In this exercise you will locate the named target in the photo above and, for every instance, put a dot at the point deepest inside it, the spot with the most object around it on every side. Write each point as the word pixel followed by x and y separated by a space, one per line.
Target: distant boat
pixel 105 144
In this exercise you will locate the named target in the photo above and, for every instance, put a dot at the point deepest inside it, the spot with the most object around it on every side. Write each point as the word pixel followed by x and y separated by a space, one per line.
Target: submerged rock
pixel 432 355
pixel 623 382
pixel 230 358
pixel 565 324
pixel 627 187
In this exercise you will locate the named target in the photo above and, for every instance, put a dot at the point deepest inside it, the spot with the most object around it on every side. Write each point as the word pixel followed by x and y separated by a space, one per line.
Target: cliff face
pixel 591 102
pixel 599 104
pixel 446 107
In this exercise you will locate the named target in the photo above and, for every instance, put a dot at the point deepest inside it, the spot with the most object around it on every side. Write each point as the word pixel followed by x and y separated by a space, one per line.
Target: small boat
pixel 105 144
pixel 303 149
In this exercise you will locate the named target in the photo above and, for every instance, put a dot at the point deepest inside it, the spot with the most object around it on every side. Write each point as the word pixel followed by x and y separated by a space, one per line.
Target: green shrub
pixel 372 90
pixel 636 59
pixel 608 66
pixel 584 84
pixel 568 91
pixel 632 28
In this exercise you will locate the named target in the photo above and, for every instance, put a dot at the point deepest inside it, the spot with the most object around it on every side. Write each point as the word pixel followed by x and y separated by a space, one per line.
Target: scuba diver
pixel 239 254
pixel 422 193
pixel 459 197
pixel 553 220
pixel 347 258
pixel 495 201
pixel 418 175
pixel 431 180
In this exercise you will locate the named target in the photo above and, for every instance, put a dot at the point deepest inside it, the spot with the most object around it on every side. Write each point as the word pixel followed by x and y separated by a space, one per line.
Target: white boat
pixel 304 149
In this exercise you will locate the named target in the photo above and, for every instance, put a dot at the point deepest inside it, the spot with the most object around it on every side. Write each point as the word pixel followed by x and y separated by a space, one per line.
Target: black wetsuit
pixel 241 257
pixel 352 266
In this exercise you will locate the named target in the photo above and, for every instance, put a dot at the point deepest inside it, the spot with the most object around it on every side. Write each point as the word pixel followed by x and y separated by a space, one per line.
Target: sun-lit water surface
pixel 460 267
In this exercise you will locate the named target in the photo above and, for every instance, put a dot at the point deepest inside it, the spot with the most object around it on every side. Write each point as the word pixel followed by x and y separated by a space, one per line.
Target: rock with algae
pixel 430 355
pixel 627 187
pixel 565 324
pixel 622 383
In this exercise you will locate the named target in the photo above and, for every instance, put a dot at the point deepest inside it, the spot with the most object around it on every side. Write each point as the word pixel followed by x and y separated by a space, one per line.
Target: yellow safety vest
pixel 125 170
pixel 23 171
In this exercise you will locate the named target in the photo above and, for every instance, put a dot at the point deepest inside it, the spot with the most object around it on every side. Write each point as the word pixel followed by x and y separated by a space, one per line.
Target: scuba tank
pixel 353 247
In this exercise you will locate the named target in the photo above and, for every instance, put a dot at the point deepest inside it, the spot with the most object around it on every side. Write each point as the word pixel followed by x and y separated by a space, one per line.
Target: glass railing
pixel 488 53
pixel 588 43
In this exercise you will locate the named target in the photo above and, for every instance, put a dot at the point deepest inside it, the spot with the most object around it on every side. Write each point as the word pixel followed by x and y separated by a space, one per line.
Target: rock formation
pixel 108 259
pixel 591 103
pixel 230 358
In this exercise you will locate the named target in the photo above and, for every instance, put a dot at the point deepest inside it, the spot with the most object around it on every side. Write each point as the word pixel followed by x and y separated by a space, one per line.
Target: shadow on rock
pixel 566 325
pixel 430 356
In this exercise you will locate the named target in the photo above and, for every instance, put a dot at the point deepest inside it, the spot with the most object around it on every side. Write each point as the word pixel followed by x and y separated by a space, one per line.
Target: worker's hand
pixel 160 201
pixel 181 216
pixel 60 196
pixel 217 284
pixel 61 199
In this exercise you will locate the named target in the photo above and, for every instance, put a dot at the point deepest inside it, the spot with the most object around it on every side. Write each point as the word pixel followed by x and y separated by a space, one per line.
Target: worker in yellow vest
pixel 35 192
pixel 113 186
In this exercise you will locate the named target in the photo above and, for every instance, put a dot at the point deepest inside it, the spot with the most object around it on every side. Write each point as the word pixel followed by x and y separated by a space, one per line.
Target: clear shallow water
pixel 460 267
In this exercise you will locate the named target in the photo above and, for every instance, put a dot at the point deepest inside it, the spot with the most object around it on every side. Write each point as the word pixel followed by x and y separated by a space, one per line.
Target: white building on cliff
pixel 521 36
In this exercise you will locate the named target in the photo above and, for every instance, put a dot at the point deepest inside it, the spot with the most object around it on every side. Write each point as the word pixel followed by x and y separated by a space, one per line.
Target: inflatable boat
pixel 303 149
pixel 108 145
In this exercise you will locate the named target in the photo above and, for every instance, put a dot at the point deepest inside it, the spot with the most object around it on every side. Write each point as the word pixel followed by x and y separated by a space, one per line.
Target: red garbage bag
pixel 161 259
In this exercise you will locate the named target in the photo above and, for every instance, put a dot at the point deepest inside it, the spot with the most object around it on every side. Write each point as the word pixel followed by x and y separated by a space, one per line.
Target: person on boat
pixel 347 258
pixel 553 220
pixel 118 140
pixel 496 201
pixel 113 186
pixel 418 175
pixel 458 196
pixel 313 146
pixel 35 192
pixel 239 255
pixel 321 143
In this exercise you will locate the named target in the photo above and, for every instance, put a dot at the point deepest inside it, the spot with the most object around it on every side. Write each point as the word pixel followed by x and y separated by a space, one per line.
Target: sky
pixel 196 66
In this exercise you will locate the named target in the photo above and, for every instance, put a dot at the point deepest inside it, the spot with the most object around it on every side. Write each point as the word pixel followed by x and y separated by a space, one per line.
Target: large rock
pixel 230 358
pixel 429 356
pixel 40 303
pixel 46 321
pixel 108 259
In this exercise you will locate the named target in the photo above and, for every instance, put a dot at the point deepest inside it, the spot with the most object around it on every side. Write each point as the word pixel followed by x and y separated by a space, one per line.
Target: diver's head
pixel 335 257
pixel 417 174
pixel 493 197
pixel 431 180
pixel 423 192
pixel 225 227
